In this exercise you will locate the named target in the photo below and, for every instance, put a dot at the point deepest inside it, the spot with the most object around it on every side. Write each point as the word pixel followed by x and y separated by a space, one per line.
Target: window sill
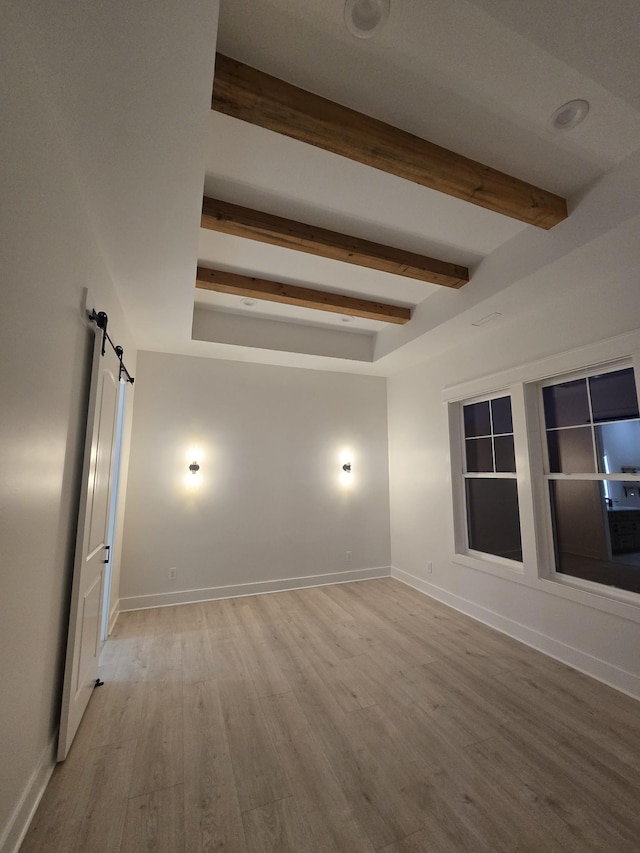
pixel 607 598
pixel 492 565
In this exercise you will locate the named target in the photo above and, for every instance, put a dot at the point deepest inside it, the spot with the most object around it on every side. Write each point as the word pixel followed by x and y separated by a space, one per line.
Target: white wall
pixel 590 632
pixel 270 504
pixel 49 255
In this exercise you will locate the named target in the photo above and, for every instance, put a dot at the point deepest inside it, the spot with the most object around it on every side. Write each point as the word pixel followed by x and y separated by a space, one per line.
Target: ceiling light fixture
pixel 347 319
pixel 249 302
pixel 364 18
pixel 569 115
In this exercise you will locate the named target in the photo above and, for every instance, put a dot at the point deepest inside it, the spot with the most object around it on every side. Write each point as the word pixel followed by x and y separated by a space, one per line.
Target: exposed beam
pixel 303 297
pixel 244 222
pixel 258 98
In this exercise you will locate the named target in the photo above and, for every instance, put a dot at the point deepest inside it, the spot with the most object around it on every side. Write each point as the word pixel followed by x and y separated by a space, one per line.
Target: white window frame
pixel 463 553
pixel 522 382
pixel 548 569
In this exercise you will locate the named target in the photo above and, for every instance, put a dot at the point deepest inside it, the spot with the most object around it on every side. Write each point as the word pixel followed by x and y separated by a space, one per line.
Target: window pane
pixel 476 419
pixel 493 519
pixel 479 454
pixel 592 542
pixel 619 447
pixel 566 404
pixel 613 396
pixel 501 414
pixel 505 453
pixel 571 451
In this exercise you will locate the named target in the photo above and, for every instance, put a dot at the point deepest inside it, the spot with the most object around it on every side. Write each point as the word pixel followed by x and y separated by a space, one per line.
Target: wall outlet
pixel 349 556
pixel 172 573
pixel 429 567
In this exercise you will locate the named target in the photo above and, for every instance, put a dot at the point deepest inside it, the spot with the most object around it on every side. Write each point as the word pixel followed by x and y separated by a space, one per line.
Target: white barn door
pixel 92 547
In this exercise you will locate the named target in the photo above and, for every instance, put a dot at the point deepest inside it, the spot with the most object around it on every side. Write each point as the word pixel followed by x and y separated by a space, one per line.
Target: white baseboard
pixel 608 673
pixel 16 829
pixel 190 596
pixel 115 611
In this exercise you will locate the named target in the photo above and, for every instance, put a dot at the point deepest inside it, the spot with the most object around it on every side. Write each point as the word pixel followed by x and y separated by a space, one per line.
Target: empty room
pixel 320 434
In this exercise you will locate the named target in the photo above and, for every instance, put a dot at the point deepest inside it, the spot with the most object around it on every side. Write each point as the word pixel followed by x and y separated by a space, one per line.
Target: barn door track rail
pixel 101 320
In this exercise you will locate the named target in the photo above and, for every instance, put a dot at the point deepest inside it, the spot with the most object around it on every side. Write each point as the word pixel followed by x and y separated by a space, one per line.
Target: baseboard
pixel 609 674
pixel 191 596
pixel 16 829
pixel 115 611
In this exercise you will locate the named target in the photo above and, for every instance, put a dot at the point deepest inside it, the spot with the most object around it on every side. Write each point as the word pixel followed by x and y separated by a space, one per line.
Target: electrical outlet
pixel 429 567
pixel 349 556
pixel 172 573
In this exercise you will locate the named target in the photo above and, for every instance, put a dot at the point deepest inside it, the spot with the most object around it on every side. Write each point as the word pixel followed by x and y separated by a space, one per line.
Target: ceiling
pixel 132 94
pixel 481 79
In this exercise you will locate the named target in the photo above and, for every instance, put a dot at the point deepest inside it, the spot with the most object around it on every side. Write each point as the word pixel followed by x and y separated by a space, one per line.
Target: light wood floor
pixel 350 718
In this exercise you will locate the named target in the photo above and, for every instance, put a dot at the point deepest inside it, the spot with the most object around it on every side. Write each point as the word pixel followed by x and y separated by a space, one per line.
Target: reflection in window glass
pixel 613 396
pixel 566 404
pixel 479 454
pixel 610 442
pixel 571 451
pixel 596 521
pixel 494 450
pixel 593 540
pixel 618 447
pixel 477 420
pixel 505 453
pixel 501 415
pixel 493 518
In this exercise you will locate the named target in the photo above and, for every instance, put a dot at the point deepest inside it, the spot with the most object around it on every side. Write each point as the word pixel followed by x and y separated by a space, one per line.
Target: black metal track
pixel 101 320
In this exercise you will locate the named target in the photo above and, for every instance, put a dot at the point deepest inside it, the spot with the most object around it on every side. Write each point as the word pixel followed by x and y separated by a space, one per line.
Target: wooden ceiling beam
pixel 253 224
pixel 253 96
pixel 303 297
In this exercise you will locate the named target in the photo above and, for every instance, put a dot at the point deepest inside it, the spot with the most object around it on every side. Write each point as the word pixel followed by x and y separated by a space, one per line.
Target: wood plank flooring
pixel 353 718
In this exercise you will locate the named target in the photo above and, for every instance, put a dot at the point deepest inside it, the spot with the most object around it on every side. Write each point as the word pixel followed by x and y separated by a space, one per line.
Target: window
pixel 491 493
pixel 592 468
pixel 569 511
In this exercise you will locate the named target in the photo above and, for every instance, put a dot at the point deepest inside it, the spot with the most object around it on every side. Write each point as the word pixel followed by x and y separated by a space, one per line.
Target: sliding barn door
pixel 92 547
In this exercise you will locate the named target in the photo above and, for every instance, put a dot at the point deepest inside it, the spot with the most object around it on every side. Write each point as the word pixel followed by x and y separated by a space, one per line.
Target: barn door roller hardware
pixel 101 320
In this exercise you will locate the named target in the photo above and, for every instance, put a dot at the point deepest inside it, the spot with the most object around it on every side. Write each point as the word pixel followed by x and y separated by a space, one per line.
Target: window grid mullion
pixel 480 497
pixel 593 431
pixel 593 555
pixel 493 438
pixel 609 478
pixel 490 475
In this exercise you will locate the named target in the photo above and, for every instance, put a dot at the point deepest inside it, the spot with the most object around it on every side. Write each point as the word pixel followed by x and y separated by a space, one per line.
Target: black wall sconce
pixel 347 467
pixel 194 467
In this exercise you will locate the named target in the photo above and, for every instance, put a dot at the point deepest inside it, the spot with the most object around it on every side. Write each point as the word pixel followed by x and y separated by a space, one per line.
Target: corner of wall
pixel 113 616
pixel 191 596
pixel 25 809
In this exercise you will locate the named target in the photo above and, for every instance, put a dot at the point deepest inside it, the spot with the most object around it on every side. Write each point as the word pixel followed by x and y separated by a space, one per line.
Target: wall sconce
pixel 346 478
pixel 192 478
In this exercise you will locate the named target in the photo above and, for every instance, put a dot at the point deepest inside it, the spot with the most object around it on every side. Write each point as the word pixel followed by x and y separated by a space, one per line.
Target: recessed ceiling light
pixel 249 302
pixel 346 319
pixel 569 115
pixel 364 18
